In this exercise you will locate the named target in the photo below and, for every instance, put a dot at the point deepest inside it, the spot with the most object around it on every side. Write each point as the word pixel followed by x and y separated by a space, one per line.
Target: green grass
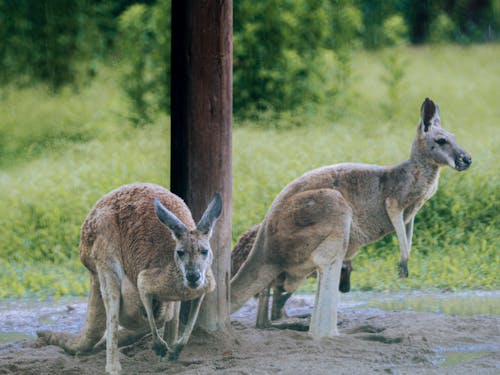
pixel 59 154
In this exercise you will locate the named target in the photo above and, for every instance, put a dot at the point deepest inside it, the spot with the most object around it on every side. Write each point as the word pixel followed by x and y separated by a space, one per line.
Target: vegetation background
pixel 84 101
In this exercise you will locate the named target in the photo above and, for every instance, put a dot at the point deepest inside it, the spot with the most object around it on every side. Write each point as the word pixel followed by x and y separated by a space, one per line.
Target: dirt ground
pixel 371 341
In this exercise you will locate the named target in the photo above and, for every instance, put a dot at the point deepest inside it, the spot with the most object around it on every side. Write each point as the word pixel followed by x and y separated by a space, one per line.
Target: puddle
pixel 460 303
pixel 20 319
pixel 456 358
pixel 13 336
pixel 453 356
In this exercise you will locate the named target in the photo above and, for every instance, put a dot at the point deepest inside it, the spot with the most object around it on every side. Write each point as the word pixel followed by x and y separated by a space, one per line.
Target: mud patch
pixel 371 341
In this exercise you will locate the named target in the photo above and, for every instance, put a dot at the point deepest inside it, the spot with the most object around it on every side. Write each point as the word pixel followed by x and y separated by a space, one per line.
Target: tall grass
pixel 34 122
pixel 46 193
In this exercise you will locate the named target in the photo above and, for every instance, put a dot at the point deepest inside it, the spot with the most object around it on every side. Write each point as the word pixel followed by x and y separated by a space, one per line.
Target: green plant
pixel 279 50
pixel 394 31
pixel 47 41
pixel 395 68
pixel 145 44
pixel 441 29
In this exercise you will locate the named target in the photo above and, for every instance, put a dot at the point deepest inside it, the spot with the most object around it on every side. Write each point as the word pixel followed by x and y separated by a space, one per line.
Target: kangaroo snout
pixel 193 278
pixel 463 162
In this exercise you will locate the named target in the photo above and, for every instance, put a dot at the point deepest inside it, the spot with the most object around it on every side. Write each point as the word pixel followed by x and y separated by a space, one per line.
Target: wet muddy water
pixel 20 319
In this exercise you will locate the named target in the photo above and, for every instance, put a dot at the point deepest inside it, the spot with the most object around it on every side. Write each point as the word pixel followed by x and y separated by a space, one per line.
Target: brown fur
pixel 326 215
pixel 238 256
pixel 137 276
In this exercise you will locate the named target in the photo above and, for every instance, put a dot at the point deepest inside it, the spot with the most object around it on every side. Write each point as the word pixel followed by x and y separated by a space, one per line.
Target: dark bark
pixel 201 125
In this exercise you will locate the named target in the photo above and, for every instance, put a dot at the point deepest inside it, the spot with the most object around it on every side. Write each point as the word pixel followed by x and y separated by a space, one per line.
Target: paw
pixel 175 352
pixel 113 368
pixel 160 348
pixel 403 269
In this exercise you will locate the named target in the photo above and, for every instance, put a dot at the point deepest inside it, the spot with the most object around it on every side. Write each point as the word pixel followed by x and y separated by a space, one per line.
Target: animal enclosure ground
pixel 371 341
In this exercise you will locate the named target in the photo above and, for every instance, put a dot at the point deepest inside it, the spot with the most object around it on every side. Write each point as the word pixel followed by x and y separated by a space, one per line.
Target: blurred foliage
pixel 393 78
pixel 33 121
pixel 280 46
pixel 144 43
pixel 468 21
pixel 394 31
pixel 47 40
pixel 441 29
pixel 63 153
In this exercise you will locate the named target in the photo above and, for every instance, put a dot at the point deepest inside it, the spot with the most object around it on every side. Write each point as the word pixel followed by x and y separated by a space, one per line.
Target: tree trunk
pixel 201 118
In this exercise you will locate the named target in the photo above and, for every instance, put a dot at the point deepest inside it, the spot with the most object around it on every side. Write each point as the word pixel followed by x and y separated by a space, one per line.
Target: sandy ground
pixel 371 341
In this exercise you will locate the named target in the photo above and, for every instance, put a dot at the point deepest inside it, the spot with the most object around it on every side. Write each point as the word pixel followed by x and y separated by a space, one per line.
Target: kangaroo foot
pixel 160 347
pixel 173 355
pixel 113 368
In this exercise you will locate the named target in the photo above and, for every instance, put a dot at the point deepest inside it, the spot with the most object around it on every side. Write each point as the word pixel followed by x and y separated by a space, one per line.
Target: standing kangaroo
pixel 326 215
pixel 144 253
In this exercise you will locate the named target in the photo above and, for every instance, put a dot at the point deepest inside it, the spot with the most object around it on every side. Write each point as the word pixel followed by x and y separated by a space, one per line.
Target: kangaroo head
pixel 193 255
pixel 436 145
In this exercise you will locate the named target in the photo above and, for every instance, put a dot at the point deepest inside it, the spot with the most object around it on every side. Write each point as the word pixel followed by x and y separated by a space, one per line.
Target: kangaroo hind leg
pixel 110 291
pixel 324 317
pixel 329 257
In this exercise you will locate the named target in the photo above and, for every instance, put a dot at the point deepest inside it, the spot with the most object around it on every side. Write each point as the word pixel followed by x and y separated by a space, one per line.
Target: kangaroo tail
pixel 93 330
pixel 254 274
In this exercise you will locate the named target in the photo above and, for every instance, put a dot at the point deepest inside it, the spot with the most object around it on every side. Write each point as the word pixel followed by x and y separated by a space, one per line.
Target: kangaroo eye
pixel 204 252
pixel 441 141
pixel 180 253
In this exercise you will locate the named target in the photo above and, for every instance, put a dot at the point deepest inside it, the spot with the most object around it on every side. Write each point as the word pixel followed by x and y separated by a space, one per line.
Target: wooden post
pixel 201 120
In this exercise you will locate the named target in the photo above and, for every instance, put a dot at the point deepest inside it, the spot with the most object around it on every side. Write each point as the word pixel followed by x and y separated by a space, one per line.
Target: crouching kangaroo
pixel 280 295
pixel 326 215
pixel 144 253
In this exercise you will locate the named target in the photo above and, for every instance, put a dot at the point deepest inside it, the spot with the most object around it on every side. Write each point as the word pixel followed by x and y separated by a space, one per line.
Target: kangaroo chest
pixel 416 200
pixel 371 221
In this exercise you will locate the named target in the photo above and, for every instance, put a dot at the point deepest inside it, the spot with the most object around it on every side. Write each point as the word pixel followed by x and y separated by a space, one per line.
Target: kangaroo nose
pixel 463 162
pixel 467 159
pixel 192 276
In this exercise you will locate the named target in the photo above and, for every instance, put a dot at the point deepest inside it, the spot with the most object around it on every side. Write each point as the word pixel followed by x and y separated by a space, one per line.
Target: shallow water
pixel 20 319
pixel 455 358
pixel 454 355
pixel 459 303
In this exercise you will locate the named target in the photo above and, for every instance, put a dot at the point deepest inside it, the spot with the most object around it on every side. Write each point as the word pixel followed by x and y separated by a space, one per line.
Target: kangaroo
pixel 327 214
pixel 280 296
pixel 144 254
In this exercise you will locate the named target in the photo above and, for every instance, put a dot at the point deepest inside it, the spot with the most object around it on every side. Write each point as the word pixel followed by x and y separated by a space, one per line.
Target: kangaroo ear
pixel 207 221
pixel 429 113
pixel 176 226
